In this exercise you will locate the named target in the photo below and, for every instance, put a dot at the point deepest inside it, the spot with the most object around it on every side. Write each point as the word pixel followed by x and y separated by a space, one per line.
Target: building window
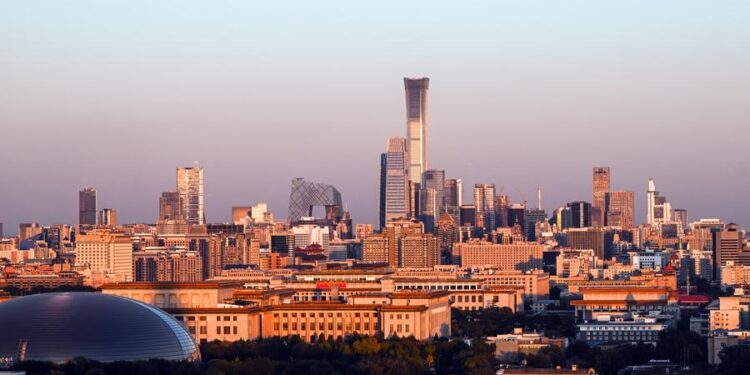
pixel 204 330
pixel 227 330
pixel 234 330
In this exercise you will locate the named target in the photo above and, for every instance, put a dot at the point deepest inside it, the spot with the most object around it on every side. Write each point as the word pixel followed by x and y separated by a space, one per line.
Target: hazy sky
pixel 117 94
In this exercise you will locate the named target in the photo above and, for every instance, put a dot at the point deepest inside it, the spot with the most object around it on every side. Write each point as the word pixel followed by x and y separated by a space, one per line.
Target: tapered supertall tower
pixel 417 90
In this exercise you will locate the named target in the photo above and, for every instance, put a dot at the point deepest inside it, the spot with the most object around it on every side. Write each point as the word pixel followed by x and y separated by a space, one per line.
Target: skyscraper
pixel 190 188
pixel 394 182
pixel 601 188
pixel 453 197
pixel 517 216
pixel 484 201
pixel 533 216
pixel 87 206
pixel 432 197
pixel 305 195
pixel 658 209
pixel 580 214
pixel 502 203
pixel 619 208
pixel 108 217
pixel 417 90
pixel 680 216
pixel 727 246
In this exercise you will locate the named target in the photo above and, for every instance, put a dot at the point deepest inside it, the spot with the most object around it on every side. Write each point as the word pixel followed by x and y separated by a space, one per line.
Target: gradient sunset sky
pixel 116 94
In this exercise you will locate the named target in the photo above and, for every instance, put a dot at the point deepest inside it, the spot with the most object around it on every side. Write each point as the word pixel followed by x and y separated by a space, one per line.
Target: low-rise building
pixel 625 301
pixel 508 347
pixel 621 331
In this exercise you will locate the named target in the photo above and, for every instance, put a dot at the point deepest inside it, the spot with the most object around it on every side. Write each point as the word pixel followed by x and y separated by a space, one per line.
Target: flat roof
pixel 174 285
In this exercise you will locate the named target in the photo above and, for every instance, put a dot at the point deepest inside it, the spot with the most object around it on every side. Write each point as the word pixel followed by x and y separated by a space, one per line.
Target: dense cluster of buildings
pixel 256 276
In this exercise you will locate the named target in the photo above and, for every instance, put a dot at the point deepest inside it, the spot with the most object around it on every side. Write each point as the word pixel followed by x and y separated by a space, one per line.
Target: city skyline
pixel 518 105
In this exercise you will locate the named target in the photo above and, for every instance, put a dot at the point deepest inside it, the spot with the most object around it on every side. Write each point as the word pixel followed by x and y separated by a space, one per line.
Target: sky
pixel 117 94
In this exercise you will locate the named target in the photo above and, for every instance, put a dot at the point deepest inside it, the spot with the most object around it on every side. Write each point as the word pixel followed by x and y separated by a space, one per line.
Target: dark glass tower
pixel 87 206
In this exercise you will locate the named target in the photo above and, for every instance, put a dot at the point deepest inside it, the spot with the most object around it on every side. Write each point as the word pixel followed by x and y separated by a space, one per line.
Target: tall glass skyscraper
pixel 190 188
pixel 87 206
pixel 453 198
pixel 484 201
pixel 416 125
pixel 394 182
pixel 431 197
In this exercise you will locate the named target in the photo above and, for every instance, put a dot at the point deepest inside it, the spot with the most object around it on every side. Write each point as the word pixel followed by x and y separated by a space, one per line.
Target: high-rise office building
pixel 190 188
pixel 396 229
pixel 447 233
pixel 428 208
pixel 417 90
pixel 484 202
pixel 453 197
pixel 533 216
pixel 517 216
pixel 601 180
pixel 1 230
pixel 305 195
pixel 418 250
pixel 170 206
pixel 414 189
pixel 394 182
pixel 171 219
pixel 108 217
pixel 435 179
pixel 619 208
pixel 680 216
pixel 87 206
pixel 597 239
pixel 502 203
pixel 432 197
pixel 658 209
pixel 561 218
pixel 103 250
pixel 376 249
pixel 468 213
pixel 580 214
pixel 727 246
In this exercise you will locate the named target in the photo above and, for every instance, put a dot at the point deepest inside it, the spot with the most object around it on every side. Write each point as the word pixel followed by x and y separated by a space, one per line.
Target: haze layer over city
pixel 115 95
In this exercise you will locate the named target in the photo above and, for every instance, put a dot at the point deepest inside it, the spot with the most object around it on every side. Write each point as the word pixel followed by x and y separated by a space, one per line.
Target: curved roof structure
pixel 57 327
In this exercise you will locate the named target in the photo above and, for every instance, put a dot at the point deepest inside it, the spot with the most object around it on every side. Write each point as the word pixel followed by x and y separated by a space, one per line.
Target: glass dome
pixel 57 327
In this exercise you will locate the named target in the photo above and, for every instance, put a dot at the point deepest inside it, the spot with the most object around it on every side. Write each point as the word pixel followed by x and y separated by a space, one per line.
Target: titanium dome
pixel 60 326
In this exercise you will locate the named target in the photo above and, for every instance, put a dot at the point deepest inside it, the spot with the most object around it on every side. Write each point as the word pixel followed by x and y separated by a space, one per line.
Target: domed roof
pixel 59 326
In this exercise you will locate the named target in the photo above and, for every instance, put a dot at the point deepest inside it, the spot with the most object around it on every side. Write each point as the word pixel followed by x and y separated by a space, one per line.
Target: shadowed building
pixel 453 197
pixel 601 188
pixel 305 195
pixel 87 206
pixel 580 214
pixel 620 209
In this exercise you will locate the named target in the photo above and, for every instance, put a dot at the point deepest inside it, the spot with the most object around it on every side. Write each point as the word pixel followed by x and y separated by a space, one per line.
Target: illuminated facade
pixel 417 90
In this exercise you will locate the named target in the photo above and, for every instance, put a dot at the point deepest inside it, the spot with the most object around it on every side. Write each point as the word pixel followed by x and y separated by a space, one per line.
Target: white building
pixel 306 234
pixel 102 250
